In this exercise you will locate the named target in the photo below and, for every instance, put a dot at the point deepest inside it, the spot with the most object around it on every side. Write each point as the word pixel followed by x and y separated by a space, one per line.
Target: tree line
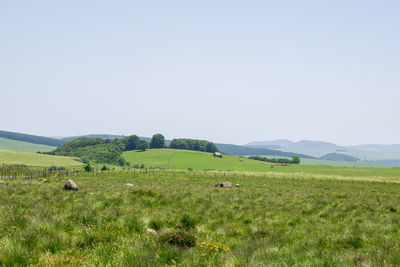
pixel 294 160
pixel 98 150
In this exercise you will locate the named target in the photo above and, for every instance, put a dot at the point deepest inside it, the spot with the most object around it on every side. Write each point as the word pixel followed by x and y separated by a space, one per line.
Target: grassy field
pixel 20 146
pixel 36 160
pixel 264 222
pixel 183 160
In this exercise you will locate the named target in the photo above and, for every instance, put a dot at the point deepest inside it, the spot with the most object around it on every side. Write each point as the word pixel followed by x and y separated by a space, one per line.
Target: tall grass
pixel 267 221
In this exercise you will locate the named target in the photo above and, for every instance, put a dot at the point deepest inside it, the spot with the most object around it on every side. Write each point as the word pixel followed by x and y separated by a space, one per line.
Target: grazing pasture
pixel 184 159
pixel 36 160
pixel 266 221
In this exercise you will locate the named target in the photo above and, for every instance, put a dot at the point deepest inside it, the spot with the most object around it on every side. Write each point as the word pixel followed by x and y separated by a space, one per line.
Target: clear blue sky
pixel 226 71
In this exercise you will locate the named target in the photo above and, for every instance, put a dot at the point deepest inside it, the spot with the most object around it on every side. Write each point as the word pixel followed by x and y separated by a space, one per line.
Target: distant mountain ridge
pixel 275 144
pixel 368 152
pixel 339 157
pixel 253 151
pixel 303 144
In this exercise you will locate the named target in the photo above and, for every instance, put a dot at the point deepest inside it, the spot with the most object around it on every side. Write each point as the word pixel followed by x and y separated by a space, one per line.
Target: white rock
pixel 129 185
pixel 151 231
pixel 70 185
pixel 224 185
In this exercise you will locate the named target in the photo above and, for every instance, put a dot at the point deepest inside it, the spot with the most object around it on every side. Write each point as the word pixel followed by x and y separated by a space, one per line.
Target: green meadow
pixel 37 160
pixel 265 221
pixel 21 146
pixel 184 160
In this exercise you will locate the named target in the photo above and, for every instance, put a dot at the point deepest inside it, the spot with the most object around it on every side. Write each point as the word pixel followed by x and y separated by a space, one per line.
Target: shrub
pixel 88 168
pixel 104 168
pixel 179 238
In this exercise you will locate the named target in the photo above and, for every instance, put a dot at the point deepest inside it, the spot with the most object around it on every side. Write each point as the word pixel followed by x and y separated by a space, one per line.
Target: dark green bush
pixel 179 238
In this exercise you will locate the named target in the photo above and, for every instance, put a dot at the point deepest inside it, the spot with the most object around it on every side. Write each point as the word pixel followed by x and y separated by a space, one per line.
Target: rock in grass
pixel 237 185
pixel 70 185
pixel 224 185
pixel 151 231
pixel 1 182
pixel 129 185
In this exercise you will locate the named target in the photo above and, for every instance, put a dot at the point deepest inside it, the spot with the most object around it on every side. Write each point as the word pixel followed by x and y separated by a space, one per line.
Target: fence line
pixel 20 171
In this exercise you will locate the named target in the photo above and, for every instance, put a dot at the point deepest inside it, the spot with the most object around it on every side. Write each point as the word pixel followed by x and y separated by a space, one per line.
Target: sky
pixel 224 71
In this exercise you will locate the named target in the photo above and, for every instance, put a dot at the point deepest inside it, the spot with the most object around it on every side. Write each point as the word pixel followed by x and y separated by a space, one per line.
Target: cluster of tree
pixel 98 150
pixel 41 140
pixel 133 142
pixel 294 160
pixel 93 150
pixel 193 144
pixel 102 136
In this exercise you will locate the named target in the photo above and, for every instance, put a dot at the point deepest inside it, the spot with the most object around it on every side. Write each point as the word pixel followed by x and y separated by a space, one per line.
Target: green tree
pixel 142 145
pixel 131 142
pixel 295 160
pixel 158 141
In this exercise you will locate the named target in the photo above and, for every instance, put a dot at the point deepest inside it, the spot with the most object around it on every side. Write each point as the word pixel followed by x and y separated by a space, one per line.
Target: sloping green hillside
pixel 37 160
pixel 184 159
pixel 21 146
pixel 41 140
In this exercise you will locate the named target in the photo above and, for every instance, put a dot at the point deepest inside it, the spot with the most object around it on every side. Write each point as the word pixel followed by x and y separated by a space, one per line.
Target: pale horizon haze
pixel 224 71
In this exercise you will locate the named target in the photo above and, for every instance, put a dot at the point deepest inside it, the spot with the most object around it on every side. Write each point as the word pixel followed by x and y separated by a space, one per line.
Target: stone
pixel 1 182
pixel 70 185
pixel 129 185
pixel 237 185
pixel 151 231
pixel 224 185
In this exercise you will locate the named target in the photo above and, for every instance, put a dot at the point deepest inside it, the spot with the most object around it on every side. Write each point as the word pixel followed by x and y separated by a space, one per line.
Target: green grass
pixel 183 160
pixel 20 146
pixel 36 160
pixel 264 222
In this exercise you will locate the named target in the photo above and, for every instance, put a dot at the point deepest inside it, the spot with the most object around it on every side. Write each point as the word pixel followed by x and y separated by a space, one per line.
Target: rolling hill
pixel 21 146
pixel 37 160
pixel 185 159
pixel 248 151
pixel 35 139
pixel 339 157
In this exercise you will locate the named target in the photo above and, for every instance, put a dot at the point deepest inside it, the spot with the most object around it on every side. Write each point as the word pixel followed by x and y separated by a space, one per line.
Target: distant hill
pixel 315 145
pixel 339 157
pixel 308 147
pixel 301 145
pixel 35 139
pixel 275 144
pixel 377 148
pixel 21 146
pixel 247 151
